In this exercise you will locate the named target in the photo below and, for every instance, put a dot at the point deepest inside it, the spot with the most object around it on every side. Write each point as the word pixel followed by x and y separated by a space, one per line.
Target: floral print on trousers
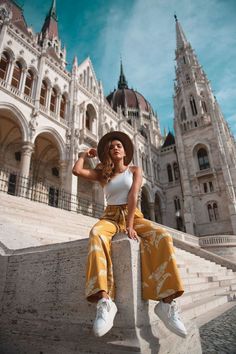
pixel 160 274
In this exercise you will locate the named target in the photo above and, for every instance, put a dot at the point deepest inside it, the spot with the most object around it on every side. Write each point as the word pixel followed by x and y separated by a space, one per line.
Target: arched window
pixel 43 93
pixel 169 172
pixel 193 106
pixel 16 76
pixel 203 160
pixel 204 106
pixel 183 114
pixel 147 167
pixel 176 170
pixel 63 106
pixel 29 83
pixel 210 212
pixel 177 204
pixel 87 121
pixel 215 211
pixel 4 64
pixel 53 100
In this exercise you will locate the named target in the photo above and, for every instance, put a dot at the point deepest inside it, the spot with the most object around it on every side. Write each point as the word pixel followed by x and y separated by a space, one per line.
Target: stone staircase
pixel 49 244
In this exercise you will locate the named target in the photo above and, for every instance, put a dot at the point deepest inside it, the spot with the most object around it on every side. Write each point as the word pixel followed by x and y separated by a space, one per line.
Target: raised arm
pixel 79 170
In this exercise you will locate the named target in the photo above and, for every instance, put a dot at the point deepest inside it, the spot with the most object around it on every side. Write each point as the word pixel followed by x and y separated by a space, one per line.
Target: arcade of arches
pixel 40 167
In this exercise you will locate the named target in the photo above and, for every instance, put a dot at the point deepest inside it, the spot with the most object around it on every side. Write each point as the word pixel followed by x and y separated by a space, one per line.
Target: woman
pixel 160 276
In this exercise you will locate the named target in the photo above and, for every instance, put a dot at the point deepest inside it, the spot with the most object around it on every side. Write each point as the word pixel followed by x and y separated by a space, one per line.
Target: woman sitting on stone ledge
pixel 160 276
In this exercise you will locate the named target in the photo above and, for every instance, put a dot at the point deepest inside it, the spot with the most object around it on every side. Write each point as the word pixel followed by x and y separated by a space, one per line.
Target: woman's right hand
pixel 90 153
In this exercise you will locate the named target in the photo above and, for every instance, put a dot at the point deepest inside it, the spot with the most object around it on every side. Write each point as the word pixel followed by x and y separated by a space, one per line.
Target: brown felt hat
pixel 123 138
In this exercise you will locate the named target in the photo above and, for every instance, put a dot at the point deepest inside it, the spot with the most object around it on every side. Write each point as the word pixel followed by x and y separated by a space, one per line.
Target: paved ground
pixel 219 335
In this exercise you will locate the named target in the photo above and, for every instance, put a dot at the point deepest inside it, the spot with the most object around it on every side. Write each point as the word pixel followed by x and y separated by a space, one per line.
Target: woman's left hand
pixel 131 233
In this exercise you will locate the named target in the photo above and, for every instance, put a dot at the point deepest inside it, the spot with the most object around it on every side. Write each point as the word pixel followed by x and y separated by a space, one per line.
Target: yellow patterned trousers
pixel 160 275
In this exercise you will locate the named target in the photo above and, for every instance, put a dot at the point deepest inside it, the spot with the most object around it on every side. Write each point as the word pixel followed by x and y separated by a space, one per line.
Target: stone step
pixel 193 310
pixel 191 297
pixel 200 286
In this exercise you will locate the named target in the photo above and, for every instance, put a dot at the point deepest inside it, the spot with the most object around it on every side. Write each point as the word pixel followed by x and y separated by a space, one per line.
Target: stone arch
pixel 10 52
pixel 146 198
pixel 91 117
pixel 196 148
pixel 11 138
pixel 18 117
pixel 22 61
pixel 56 136
pixel 46 171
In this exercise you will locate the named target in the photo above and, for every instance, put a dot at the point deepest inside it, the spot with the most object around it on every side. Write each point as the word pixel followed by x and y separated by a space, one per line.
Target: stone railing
pixel 218 240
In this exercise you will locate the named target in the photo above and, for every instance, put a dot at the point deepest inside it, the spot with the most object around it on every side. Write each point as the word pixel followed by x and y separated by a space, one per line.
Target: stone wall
pixel 43 307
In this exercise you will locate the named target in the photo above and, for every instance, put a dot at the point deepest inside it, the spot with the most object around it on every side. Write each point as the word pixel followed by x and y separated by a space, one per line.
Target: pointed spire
pixel 50 23
pixel 52 12
pixel 181 40
pixel 122 80
pixel 75 61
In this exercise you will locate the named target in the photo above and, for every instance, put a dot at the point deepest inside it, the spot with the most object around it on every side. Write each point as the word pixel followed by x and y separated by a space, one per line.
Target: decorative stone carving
pixel 5 14
pixel 33 124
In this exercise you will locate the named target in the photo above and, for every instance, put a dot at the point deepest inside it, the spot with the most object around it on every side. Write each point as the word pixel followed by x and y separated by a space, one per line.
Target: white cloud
pixel 146 40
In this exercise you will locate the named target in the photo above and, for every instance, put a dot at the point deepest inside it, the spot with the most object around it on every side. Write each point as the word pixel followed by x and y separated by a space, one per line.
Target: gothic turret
pixel 49 38
pixel 50 26
pixel 202 136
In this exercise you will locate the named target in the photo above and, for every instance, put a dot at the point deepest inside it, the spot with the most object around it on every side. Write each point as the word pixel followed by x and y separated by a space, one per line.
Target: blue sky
pixel 143 33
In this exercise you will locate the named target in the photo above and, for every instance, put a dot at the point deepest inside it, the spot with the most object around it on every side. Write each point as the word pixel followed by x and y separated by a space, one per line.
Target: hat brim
pixel 125 140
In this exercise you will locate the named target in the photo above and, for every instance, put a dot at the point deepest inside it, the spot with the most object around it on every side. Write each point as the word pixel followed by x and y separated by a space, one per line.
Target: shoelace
pixel 174 310
pixel 100 310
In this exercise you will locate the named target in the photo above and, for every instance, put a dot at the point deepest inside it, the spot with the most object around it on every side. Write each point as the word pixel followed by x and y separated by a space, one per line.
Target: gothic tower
pixel 205 147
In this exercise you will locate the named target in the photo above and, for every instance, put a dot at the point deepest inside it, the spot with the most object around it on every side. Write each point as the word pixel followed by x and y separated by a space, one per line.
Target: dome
pixel 125 97
pixel 130 98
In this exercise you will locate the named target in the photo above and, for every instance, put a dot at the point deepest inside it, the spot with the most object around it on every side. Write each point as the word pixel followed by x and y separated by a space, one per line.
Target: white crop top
pixel 116 191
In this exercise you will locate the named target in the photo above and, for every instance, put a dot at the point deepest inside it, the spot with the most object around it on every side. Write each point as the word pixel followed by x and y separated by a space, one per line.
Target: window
pixel 87 120
pixel 4 63
pixel 203 160
pixel 12 184
pixel 29 83
pixel 55 171
pixel 176 170
pixel 204 106
pixel 193 106
pixel 169 172
pixel 18 156
pixel 183 114
pixel 210 212
pixel 213 212
pixel 205 187
pixel 16 76
pixel 63 106
pixel 211 186
pixel 53 100
pixel 43 93
pixel 177 204
pixel 187 79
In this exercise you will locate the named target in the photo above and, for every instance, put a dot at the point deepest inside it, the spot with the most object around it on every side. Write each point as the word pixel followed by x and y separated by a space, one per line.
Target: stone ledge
pixel 43 305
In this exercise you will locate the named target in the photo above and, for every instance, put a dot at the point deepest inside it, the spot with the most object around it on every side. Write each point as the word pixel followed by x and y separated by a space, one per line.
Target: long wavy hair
pixel 107 166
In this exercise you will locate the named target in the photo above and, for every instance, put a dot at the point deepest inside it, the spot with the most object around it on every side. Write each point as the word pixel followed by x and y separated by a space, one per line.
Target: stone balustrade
pixel 217 240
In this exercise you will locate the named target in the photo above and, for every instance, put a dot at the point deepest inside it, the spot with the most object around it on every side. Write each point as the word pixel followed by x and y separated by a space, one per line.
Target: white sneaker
pixel 106 311
pixel 169 314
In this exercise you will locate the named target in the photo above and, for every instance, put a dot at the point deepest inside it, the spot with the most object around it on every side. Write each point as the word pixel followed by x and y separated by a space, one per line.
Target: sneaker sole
pixel 168 325
pixel 109 325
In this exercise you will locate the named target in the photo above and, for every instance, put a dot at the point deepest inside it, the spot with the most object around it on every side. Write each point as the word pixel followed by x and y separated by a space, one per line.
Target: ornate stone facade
pixel 49 114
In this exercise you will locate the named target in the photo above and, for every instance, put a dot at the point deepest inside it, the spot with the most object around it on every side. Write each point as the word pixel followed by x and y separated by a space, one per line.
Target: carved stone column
pixel 26 152
pixel 152 211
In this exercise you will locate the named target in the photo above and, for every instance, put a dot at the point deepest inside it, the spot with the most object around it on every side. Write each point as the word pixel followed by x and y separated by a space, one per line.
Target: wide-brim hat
pixel 123 138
